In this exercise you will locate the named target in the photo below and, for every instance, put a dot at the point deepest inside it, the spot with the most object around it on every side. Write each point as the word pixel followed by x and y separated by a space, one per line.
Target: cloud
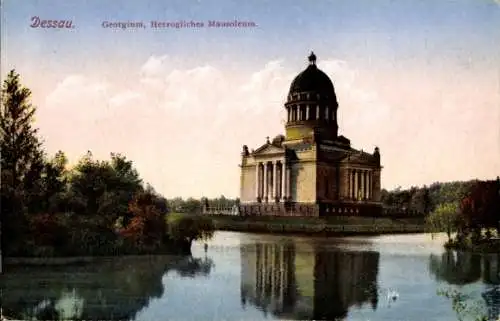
pixel 124 98
pixel 185 120
pixel 184 126
pixel 155 66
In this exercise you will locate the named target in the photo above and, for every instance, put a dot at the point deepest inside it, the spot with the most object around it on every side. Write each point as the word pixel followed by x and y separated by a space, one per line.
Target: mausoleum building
pixel 311 170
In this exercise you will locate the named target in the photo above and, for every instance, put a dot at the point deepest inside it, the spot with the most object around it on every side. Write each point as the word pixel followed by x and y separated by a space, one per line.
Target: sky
pixel 420 79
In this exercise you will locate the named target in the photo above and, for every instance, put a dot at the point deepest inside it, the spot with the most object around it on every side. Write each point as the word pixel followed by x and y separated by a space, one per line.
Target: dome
pixel 312 79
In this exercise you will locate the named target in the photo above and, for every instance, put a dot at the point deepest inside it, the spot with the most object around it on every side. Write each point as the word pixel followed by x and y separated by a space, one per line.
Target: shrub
pixel 146 229
pixel 188 228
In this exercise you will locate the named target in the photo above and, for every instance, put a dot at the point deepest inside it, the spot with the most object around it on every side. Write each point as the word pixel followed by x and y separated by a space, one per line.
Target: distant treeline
pixel 192 205
pixel 415 200
pixel 424 200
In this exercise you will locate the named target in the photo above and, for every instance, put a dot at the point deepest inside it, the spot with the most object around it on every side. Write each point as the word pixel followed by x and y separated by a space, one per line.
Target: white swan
pixel 392 295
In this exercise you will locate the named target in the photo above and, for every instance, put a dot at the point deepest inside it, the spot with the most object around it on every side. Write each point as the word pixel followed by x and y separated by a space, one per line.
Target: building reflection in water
pixel 304 281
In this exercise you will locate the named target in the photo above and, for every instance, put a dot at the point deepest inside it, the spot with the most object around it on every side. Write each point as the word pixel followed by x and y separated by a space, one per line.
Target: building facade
pixel 311 170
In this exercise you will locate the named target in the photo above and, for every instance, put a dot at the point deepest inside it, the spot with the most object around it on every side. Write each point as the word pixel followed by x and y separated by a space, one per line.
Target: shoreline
pixel 361 230
pixel 335 226
pixel 77 260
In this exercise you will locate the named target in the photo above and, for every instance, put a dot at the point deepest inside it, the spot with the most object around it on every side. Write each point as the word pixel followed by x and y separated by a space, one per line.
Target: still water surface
pixel 263 277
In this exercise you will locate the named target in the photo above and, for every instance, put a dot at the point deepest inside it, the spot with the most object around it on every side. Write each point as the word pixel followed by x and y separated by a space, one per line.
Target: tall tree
pixel 21 154
pixel 20 146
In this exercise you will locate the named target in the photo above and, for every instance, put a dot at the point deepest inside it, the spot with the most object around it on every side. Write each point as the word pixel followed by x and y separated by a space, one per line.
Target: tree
pixel 420 201
pixel 444 219
pixel 46 189
pixel 192 205
pixel 481 207
pixel 147 227
pixel 20 145
pixel 21 155
pixel 104 188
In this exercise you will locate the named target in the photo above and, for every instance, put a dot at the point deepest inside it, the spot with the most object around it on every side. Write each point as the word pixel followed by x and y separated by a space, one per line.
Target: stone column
pixel 366 184
pixel 356 175
pixel 257 180
pixel 363 191
pixel 362 188
pixel 264 194
pixel 369 183
pixel 353 191
pixel 348 190
pixel 317 111
pixel 288 113
pixel 351 183
pixel 275 180
pixel 327 115
pixel 307 112
pixel 297 112
pixel 283 180
pixel 288 180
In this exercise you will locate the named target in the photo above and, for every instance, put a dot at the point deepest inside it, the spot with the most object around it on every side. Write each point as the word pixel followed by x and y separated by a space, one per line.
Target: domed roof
pixel 313 79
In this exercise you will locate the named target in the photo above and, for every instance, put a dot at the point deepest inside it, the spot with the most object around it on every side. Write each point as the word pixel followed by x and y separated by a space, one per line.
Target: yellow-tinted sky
pixel 181 103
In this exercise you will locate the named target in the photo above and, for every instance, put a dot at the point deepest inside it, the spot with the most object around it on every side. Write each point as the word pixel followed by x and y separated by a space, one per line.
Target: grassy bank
pixel 331 225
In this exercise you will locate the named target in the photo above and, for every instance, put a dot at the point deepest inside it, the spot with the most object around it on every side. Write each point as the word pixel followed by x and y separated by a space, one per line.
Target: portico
pixel 271 180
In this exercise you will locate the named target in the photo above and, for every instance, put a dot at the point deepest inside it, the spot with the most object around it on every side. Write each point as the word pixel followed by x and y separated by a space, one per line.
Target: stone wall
pixel 279 209
pixel 303 182
pixel 327 182
pixel 247 187
pixel 298 132
pixel 376 186
pixel 344 182
pixel 311 209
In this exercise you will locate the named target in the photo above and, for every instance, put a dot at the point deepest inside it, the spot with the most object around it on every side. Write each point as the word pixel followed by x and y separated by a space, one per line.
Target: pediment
pixel 359 158
pixel 269 149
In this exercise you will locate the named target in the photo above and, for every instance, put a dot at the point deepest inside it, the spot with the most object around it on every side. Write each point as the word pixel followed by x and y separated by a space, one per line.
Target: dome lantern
pixel 312 104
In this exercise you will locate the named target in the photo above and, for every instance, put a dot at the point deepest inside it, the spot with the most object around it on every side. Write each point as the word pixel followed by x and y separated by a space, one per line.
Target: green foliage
pixel 51 209
pixel 20 146
pixel 21 157
pixel 444 219
pixel 463 306
pixel 182 227
pixel 104 187
pixel 426 199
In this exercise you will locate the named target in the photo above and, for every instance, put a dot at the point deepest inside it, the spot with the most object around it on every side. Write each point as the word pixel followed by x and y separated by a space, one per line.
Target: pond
pixel 263 277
